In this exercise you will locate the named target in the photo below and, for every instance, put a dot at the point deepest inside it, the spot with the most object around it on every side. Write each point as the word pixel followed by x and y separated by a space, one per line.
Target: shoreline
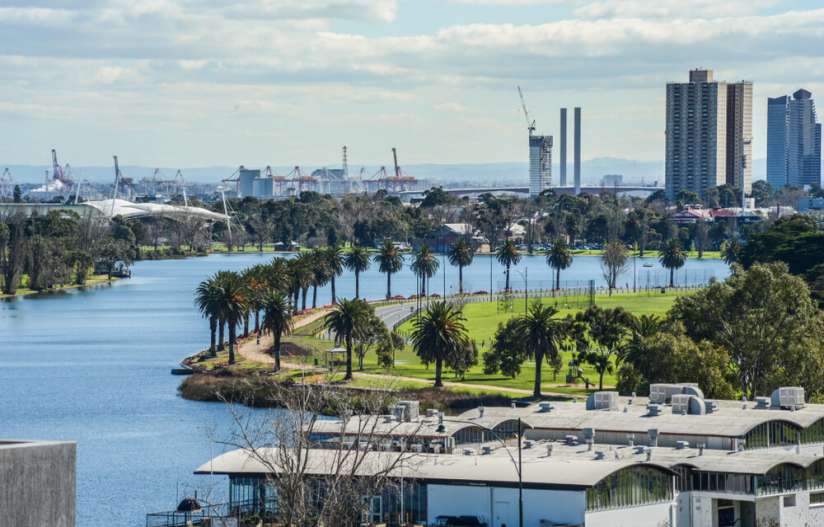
pixel 93 282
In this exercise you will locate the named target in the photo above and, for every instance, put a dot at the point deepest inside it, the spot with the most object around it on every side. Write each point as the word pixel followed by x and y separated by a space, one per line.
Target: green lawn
pixel 482 321
pixel 91 281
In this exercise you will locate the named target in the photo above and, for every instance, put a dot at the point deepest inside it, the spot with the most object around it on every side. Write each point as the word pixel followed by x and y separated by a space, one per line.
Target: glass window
pixel 629 487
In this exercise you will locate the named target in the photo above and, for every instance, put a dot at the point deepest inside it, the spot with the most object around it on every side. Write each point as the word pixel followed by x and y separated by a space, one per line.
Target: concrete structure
pixel 577 151
pixel 540 163
pixel 37 484
pixel 246 182
pixel 708 134
pixel 563 145
pixel 793 141
pixel 108 208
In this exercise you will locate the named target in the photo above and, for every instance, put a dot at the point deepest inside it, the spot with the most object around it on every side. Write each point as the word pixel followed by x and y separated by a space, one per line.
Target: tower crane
pixel 530 124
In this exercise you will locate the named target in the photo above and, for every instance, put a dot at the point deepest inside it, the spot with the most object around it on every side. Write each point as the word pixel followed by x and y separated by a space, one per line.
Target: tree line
pixel 43 252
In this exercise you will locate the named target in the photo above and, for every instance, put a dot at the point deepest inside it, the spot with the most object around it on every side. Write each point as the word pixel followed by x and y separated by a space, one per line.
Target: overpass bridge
pixel 502 190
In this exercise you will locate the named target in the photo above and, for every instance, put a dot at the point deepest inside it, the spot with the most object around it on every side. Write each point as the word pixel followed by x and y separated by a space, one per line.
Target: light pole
pixel 517 463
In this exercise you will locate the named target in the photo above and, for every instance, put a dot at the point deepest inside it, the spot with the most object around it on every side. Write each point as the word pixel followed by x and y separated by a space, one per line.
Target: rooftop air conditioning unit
pixel 788 398
pixel 681 404
pixel 711 406
pixel 413 410
pixel 544 407
pixel 486 450
pixel 762 403
pixel 602 401
pixel 469 451
pixel 398 411
pixel 653 409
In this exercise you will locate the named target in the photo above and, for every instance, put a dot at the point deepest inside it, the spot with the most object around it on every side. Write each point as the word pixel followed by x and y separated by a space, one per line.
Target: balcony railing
pixel 219 515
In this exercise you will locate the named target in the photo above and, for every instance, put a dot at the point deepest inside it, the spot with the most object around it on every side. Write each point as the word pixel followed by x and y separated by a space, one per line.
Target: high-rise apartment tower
pixel 793 141
pixel 708 134
pixel 540 163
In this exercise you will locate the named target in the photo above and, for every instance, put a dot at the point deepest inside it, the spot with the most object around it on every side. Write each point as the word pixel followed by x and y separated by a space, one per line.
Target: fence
pixel 219 515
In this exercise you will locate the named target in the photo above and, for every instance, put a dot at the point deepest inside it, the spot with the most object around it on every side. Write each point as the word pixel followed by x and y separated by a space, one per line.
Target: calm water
pixel 93 367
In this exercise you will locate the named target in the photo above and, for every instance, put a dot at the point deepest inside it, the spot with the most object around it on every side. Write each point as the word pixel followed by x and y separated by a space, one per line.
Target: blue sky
pixel 282 82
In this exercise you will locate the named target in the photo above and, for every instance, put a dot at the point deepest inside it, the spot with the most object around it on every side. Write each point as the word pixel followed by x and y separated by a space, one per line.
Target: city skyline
pixel 290 82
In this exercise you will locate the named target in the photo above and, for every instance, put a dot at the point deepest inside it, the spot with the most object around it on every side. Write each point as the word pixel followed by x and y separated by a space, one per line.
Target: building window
pixel 817 498
pixel 629 487
pixel 789 501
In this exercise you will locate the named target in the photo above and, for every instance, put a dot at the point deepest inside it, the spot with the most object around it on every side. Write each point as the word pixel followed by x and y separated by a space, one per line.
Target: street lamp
pixel 517 463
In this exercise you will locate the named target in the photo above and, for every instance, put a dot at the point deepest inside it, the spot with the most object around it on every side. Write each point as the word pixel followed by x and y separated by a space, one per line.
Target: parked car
pixel 459 521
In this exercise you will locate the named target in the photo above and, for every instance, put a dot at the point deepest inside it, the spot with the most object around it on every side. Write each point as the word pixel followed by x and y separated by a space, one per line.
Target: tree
pixel 461 255
pixel 424 265
pixel 439 335
pixel 208 298
pixel 672 257
pixel 507 353
pixel 606 331
pixel 390 261
pixel 559 257
pixel 357 261
pixel 731 251
pixel 277 319
pixel 766 321
pixel 613 263
pixel 348 322
pixel 231 304
pixel 387 347
pixel 374 332
pixel 508 256
pixel 334 263
pixel 17 194
pixel 320 273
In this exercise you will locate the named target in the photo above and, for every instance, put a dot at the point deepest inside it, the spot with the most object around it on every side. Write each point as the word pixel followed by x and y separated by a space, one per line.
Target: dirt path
pixel 251 350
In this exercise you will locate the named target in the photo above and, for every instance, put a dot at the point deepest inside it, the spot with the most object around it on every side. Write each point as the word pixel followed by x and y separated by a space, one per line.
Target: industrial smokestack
pixel 563 147
pixel 577 154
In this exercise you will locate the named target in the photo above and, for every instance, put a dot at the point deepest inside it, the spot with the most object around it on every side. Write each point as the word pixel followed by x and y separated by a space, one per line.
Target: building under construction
pixel 266 184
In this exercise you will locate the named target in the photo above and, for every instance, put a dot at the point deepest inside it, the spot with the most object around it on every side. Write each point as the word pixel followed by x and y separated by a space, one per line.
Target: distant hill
pixel 443 174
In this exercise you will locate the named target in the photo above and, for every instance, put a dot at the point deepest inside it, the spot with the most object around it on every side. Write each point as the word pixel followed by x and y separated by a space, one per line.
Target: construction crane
pixel 530 124
pixel 180 183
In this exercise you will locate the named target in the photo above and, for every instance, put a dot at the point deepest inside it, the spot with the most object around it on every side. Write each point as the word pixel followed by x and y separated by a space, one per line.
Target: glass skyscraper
pixel 793 141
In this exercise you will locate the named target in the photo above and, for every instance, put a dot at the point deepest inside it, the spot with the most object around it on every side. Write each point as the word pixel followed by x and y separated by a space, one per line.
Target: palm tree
pixel 559 257
pixel 461 254
pixel 731 252
pixel 357 261
pixel 207 296
pixel 508 255
pixel 672 258
pixel 231 302
pixel 302 273
pixel 425 265
pixel 347 322
pixel 320 273
pixel 390 261
pixel 277 318
pixel 438 334
pixel 334 264
pixel 543 336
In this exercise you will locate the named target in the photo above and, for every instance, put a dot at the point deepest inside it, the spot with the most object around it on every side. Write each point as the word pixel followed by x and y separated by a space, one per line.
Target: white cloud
pixel 671 8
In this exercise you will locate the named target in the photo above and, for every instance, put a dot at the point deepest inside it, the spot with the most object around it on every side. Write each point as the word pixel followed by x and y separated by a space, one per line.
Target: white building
pixel 674 459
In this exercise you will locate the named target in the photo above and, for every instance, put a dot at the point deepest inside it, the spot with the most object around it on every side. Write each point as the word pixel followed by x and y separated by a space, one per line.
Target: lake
pixel 93 367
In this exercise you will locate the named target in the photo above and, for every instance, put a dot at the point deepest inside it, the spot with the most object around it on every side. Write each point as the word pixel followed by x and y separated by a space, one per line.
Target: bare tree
pixel 613 263
pixel 325 485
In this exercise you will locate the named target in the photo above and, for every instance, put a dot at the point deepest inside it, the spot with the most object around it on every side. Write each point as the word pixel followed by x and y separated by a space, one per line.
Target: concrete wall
pixel 499 506
pixel 656 515
pixel 37 484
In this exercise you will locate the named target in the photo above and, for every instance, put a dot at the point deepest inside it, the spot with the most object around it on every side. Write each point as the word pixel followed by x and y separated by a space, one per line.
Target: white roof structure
pixel 496 467
pixel 127 209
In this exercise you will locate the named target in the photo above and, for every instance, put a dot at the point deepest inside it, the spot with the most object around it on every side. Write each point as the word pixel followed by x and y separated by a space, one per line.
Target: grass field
pixel 482 321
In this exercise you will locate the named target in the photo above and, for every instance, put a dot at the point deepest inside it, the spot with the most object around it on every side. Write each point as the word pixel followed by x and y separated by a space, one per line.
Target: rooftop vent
pixel 653 409
pixel 762 403
pixel 544 407
pixel 711 406
pixel 788 398
pixel 600 455
pixel 431 412
pixel 602 401
pixel 486 450
pixel 684 404
pixel 661 393
pixel 469 451
pixel 528 443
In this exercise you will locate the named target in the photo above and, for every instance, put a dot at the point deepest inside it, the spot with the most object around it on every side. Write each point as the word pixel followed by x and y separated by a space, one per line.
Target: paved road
pixel 392 314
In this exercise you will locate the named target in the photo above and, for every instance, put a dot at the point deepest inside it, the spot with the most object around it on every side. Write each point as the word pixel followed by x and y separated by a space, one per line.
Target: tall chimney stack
pixel 563 159
pixel 577 148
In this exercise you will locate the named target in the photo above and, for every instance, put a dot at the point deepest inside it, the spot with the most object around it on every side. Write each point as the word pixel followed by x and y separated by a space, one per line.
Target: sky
pixel 283 82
